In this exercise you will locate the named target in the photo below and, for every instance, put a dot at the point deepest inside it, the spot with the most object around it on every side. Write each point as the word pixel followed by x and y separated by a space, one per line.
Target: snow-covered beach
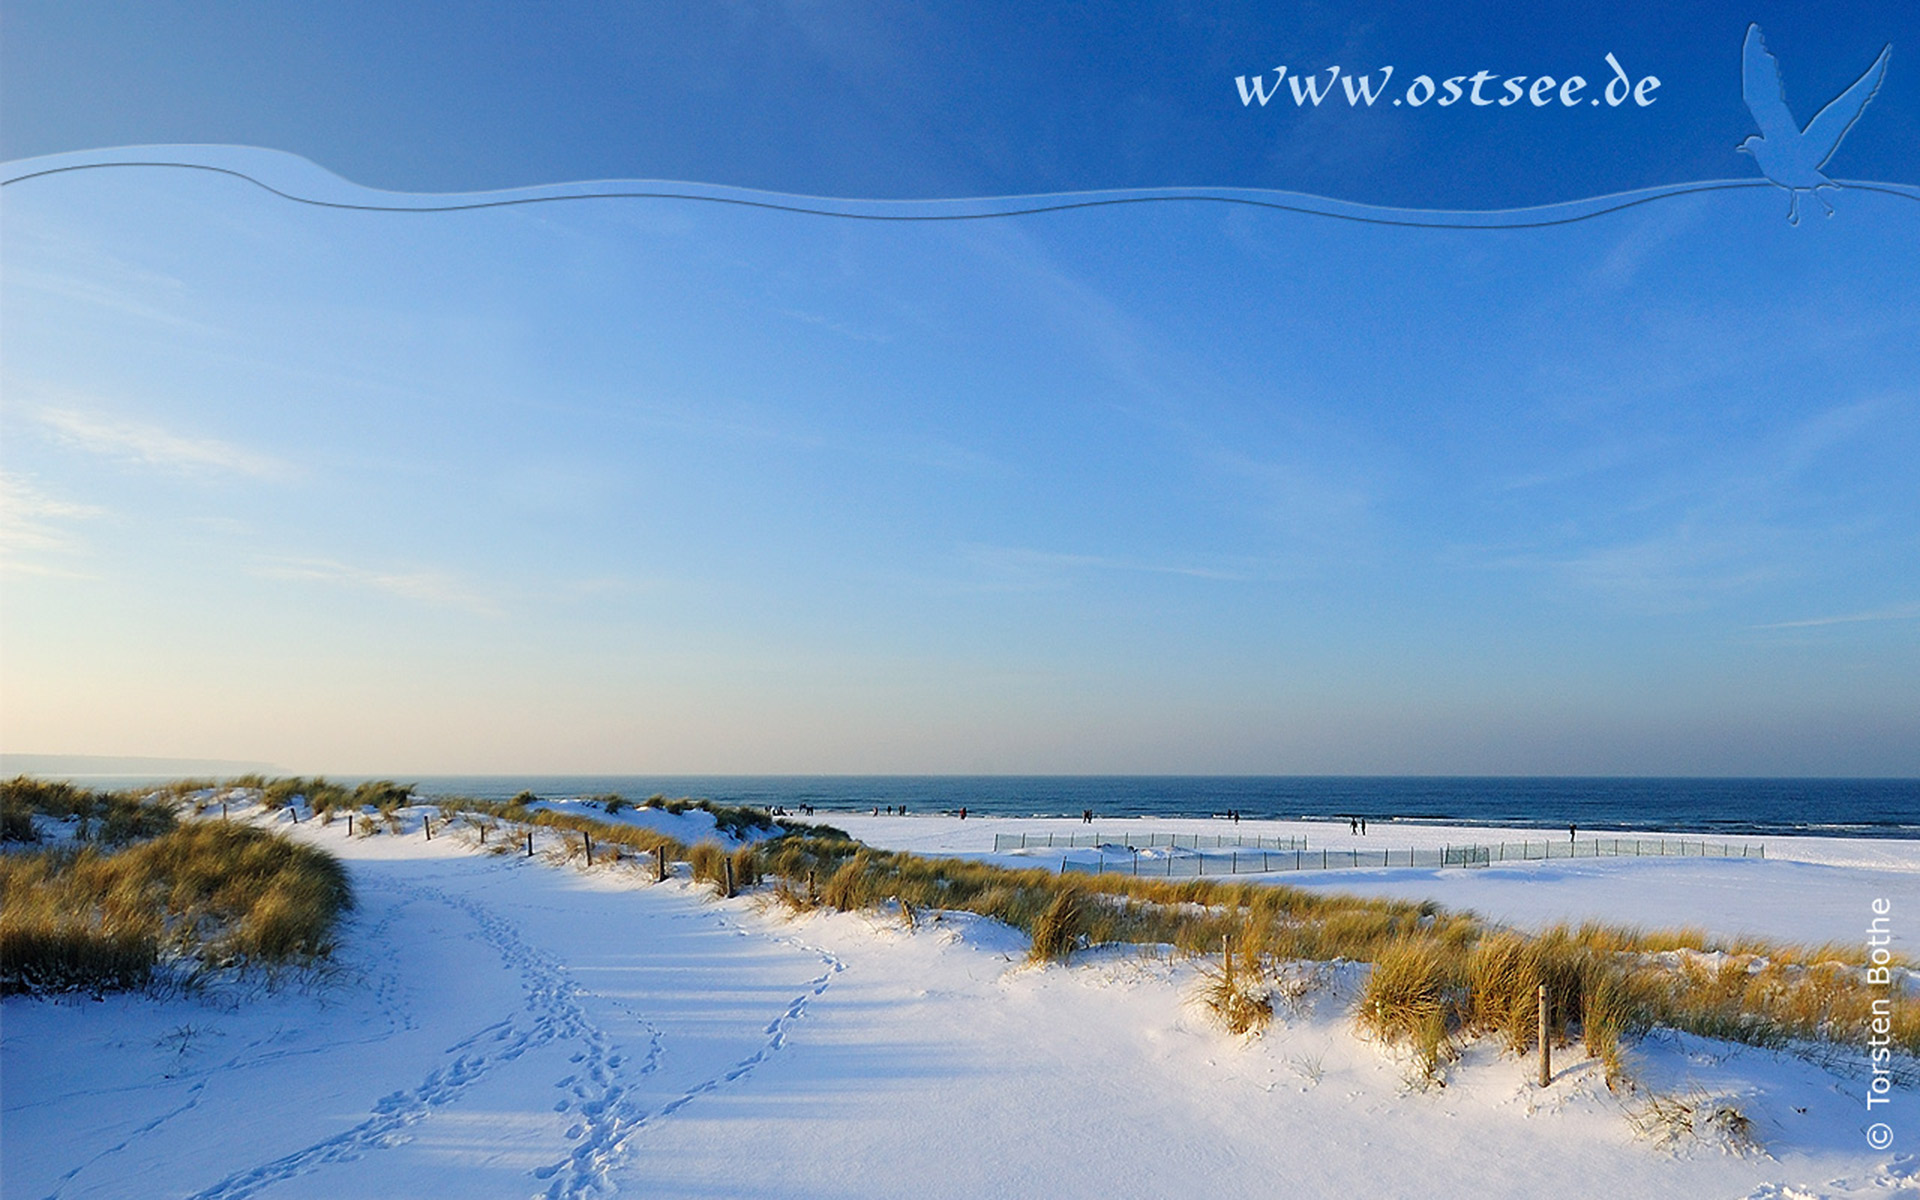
pixel 1812 889
pixel 505 1026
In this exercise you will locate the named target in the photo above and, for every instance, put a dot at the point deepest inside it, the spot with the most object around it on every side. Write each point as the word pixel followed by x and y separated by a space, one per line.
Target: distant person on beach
pixel 1353 826
pixel 1086 816
pixel 1363 827
pixel 1573 831
pixel 963 814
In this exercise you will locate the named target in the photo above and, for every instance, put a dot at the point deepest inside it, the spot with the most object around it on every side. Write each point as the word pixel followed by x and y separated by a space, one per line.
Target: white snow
pixel 687 827
pixel 505 1026
pixel 1806 889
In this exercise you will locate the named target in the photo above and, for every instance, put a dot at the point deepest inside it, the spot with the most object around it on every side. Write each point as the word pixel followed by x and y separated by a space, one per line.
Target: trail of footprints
pixel 599 1092
pixel 379 983
pixel 609 1114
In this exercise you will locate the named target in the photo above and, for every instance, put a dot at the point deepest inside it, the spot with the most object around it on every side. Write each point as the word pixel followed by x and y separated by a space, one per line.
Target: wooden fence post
pixel 660 863
pixel 426 823
pixel 1546 1048
pixel 529 843
pixel 726 869
pixel 586 846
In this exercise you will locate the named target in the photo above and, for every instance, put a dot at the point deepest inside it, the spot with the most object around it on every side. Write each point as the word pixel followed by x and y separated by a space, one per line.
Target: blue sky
pixel 667 486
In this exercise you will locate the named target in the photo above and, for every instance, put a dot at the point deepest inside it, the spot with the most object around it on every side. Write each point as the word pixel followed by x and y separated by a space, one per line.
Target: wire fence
pixel 1626 847
pixel 1144 841
pixel 1239 861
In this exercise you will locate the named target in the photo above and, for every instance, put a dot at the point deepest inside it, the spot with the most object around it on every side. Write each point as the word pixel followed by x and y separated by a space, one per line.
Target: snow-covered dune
pixel 688 826
pixel 505 1026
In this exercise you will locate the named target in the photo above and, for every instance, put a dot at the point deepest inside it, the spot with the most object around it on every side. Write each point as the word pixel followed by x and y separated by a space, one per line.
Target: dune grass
pixel 633 838
pixel 1412 995
pixel 320 795
pixel 1192 915
pixel 1061 926
pixel 1239 992
pixel 1437 978
pixel 110 818
pixel 202 895
pixel 1610 984
pixel 708 863
pixel 733 820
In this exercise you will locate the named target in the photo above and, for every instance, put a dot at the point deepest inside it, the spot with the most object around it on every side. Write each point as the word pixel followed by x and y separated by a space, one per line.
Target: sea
pixel 1829 807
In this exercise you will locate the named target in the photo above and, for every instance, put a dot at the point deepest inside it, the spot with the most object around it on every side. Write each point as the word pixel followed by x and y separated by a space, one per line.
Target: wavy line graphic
pixel 302 181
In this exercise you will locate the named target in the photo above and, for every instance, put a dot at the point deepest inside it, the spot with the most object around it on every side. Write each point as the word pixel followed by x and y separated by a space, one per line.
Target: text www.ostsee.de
pixel 1482 89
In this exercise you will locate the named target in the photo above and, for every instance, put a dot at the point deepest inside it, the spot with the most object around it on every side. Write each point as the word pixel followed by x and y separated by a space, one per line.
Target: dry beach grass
pixel 1437 977
pixel 222 892
pixel 209 894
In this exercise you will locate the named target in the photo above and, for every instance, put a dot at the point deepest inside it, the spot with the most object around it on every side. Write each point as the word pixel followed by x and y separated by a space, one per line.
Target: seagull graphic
pixel 1787 155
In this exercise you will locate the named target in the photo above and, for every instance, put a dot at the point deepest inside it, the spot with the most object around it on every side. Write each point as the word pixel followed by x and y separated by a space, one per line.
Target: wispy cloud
pixel 842 328
pixel 1810 441
pixel 1309 502
pixel 1584 463
pixel 21 500
pixel 1690 566
pixel 1670 572
pixel 751 423
pixel 32 526
pixel 66 266
pixel 1298 476
pixel 1899 612
pixel 435 588
pixel 1645 240
pixel 157 447
pixel 1682 528
pixel 1021 560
